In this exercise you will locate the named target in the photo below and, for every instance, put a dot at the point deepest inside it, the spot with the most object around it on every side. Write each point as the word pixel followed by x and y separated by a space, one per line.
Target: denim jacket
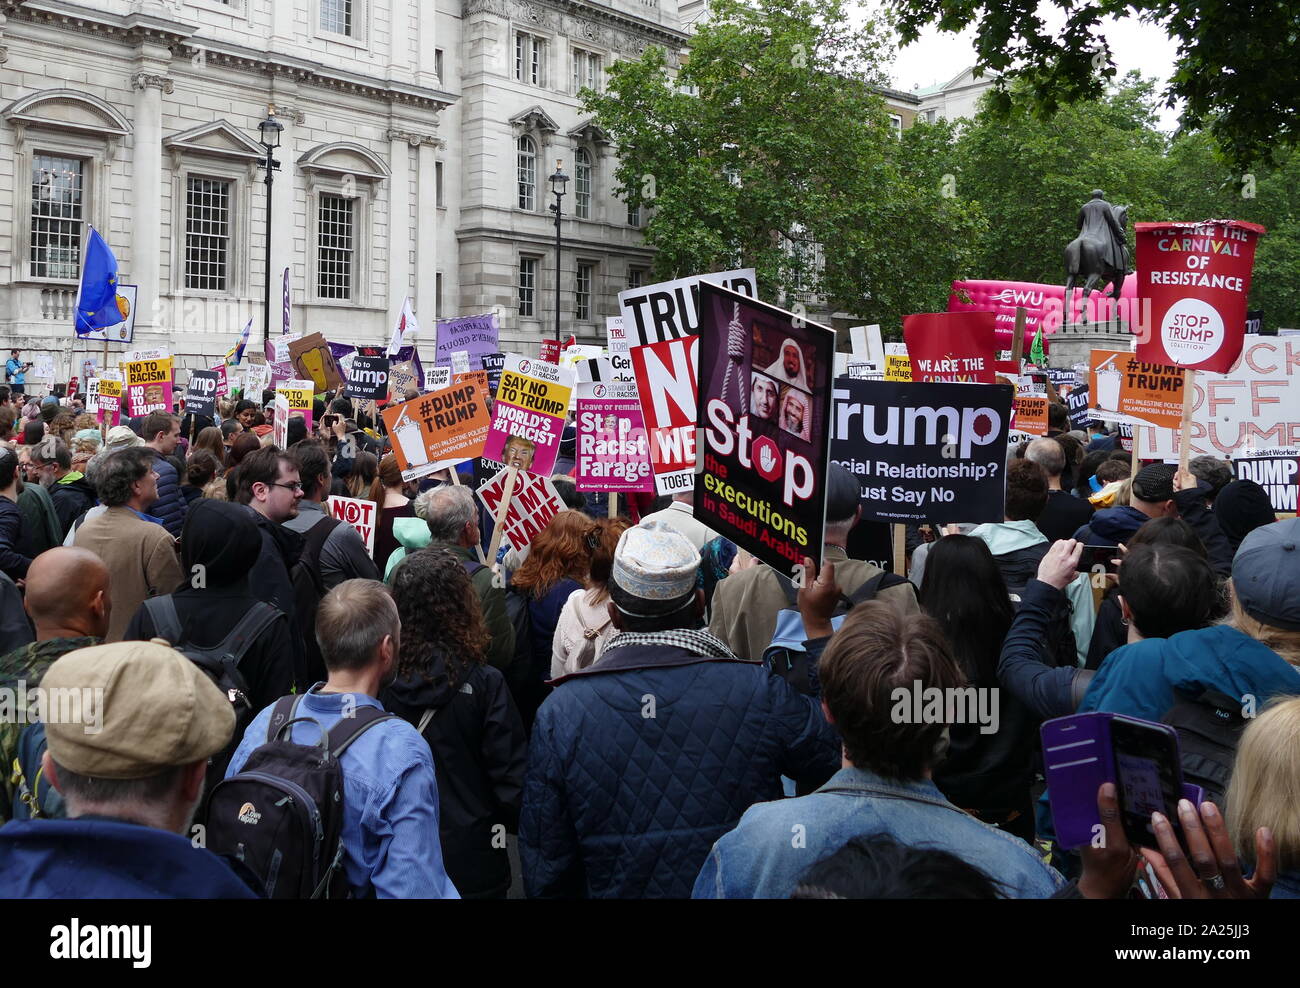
pixel 775 843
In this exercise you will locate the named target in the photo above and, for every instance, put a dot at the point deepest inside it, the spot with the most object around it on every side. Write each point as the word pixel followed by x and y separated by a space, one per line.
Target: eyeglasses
pixel 295 486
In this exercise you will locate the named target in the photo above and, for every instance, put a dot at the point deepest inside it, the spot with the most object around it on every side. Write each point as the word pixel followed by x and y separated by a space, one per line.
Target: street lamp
pixel 270 129
pixel 558 181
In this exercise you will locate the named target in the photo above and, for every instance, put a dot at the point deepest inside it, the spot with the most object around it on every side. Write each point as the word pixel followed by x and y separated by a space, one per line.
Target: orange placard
pixel 1031 413
pixel 438 429
pixel 1122 388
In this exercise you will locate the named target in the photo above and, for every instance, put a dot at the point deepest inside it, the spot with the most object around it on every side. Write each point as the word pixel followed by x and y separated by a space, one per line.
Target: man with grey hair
pixel 1213 471
pixel 137 550
pixel 70 492
pixel 391 843
pixel 1065 514
pixel 447 518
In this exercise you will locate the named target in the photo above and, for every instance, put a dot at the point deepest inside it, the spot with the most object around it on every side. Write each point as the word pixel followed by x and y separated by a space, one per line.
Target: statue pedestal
pixel 1072 343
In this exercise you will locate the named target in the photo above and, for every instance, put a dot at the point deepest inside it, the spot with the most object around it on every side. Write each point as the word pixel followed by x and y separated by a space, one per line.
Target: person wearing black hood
pixel 462 708
pixel 219 549
pixel 1241 507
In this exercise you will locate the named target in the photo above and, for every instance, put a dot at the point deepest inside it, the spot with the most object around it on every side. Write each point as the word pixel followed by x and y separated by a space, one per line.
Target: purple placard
pixel 476 335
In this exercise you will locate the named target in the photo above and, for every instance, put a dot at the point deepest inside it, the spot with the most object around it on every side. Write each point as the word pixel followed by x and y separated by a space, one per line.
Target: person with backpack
pixel 462 707
pixel 68 602
pixel 987 774
pixel 385 841
pixel 130 786
pixel 342 553
pixel 214 614
pixel 637 764
pixel 269 487
pixel 746 604
pixel 1018 547
pixel 585 627
pixel 447 518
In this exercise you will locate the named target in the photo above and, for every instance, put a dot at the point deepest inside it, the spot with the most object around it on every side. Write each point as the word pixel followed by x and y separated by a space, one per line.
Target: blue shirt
pixel 16 373
pixel 391 845
pixel 775 843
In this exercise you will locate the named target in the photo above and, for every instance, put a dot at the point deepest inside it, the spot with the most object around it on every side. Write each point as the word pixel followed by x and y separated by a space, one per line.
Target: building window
pixel 336 16
pixel 437 184
pixel 207 233
pixel 57 211
pixel 635 278
pixel 437 63
pixel 527 168
pixel 586 275
pixel 896 124
pixel 527 286
pixel 530 59
pixel 437 296
pixel 633 215
pixel 930 116
pixel 582 184
pixel 586 70
pixel 335 246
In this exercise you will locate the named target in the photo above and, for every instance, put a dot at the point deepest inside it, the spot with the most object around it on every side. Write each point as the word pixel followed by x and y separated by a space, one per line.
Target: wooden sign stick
pixel 1185 427
pixel 1018 337
pixel 498 527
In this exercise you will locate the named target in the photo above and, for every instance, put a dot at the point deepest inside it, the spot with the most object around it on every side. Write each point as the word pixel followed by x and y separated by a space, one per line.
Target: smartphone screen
pixel 1147 775
pixel 1093 555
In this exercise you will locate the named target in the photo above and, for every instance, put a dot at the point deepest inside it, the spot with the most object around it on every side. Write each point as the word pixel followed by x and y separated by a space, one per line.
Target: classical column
pixel 284 195
pixel 399 222
pixel 426 231
pixel 146 196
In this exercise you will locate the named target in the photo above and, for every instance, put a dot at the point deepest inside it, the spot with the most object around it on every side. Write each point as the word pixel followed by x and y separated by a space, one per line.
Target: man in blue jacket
pixel 161 434
pixel 129 737
pixel 640 762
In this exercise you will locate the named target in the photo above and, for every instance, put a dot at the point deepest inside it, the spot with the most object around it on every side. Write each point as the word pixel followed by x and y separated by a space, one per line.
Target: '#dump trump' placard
pixel 438 429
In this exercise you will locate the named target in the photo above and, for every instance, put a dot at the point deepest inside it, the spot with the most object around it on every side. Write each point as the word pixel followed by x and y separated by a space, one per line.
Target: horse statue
pixel 1099 254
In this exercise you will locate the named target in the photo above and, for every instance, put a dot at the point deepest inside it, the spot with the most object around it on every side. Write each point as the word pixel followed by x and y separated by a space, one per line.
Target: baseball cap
pixel 1266 574
pixel 143 708
pixel 1154 482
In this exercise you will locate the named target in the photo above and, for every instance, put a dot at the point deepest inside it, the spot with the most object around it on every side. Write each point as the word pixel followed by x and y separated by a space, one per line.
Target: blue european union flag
pixel 98 305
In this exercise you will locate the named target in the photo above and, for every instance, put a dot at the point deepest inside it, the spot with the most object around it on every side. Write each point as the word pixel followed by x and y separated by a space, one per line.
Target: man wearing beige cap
pixel 638 763
pixel 130 728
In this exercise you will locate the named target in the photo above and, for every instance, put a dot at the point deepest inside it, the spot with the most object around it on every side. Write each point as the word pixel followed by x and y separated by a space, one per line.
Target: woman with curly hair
pixel 584 625
pixel 462 708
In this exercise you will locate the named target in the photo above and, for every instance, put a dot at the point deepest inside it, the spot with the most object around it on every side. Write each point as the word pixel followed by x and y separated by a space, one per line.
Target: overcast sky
pixel 938 56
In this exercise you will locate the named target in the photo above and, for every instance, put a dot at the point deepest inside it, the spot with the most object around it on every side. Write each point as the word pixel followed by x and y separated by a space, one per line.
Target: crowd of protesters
pixel 630 706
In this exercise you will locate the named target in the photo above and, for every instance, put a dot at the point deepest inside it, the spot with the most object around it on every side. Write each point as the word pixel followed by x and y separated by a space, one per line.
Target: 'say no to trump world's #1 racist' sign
pixel 763 432
pixel 924 452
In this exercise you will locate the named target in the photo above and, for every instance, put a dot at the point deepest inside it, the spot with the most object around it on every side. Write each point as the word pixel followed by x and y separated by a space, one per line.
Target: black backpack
pixel 1018 568
pixel 1209 726
pixel 221 663
pixel 785 656
pixel 308 589
pixel 282 814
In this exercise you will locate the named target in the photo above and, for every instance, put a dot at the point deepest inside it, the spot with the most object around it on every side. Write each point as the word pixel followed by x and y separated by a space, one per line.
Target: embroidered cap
pixel 655 562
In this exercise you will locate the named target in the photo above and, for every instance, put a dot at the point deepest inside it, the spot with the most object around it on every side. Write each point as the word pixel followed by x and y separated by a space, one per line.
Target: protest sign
pixel 951 346
pixel 460 362
pixel 494 364
pixel 92 396
pixel 616 335
pixel 924 452
pixel 670 309
pixel 1197 276
pixel 358 513
pixel 437 378
pixel 1278 475
pixel 532 403
pixel 257 378
pixel 292 398
pixel 665 381
pixel 368 378
pixel 437 430
pixel 1127 389
pixel 223 381
pixel 898 365
pixel 1076 404
pixel 532 505
pixel 313 360
pixel 236 380
pixel 282 344
pixel 1029 410
pixel 1255 405
pixel 764 411
pixel 109 412
pixel 550 351
pixel 402 377
pixel 148 381
pixel 476 335
pixel 201 393
pixel 612 449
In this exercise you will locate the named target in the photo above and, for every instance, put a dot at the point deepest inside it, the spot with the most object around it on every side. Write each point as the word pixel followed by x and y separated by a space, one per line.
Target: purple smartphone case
pixel 1077 759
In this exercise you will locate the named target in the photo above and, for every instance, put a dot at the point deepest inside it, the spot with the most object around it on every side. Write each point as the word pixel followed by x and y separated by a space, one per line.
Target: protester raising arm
pixel 1048 692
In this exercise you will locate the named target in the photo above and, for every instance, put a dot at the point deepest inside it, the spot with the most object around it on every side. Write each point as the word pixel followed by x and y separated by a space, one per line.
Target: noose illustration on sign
pixel 735 353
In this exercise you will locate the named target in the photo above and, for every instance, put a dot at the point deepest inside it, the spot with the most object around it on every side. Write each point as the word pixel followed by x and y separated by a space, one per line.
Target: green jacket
pixel 20 670
pixel 413 534
pixel 41 528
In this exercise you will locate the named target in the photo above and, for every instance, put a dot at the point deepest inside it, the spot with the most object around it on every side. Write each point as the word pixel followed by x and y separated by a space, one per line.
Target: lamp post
pixel 558 181
pixel 270 129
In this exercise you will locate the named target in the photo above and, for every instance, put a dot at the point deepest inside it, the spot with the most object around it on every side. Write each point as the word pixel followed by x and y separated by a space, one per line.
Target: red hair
pixel 562 549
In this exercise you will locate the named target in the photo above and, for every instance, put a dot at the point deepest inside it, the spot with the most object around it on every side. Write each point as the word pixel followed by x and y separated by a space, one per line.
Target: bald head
pixel 67 594
pixel 1048 454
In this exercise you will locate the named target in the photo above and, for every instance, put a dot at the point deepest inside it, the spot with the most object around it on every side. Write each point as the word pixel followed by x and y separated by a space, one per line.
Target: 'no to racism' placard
pixel 924 452
pixel 148 381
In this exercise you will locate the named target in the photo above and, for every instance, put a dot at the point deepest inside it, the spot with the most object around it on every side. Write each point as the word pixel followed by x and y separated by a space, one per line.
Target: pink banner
pixel 1044 305
pixel 613 452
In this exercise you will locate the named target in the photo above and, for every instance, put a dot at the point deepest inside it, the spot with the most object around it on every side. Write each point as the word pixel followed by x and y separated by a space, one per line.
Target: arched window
pixel 527 167
pixel 582 183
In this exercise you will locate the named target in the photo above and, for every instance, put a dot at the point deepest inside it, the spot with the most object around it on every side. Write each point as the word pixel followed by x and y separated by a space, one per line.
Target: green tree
pixel 1233 71
pixel 772 138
